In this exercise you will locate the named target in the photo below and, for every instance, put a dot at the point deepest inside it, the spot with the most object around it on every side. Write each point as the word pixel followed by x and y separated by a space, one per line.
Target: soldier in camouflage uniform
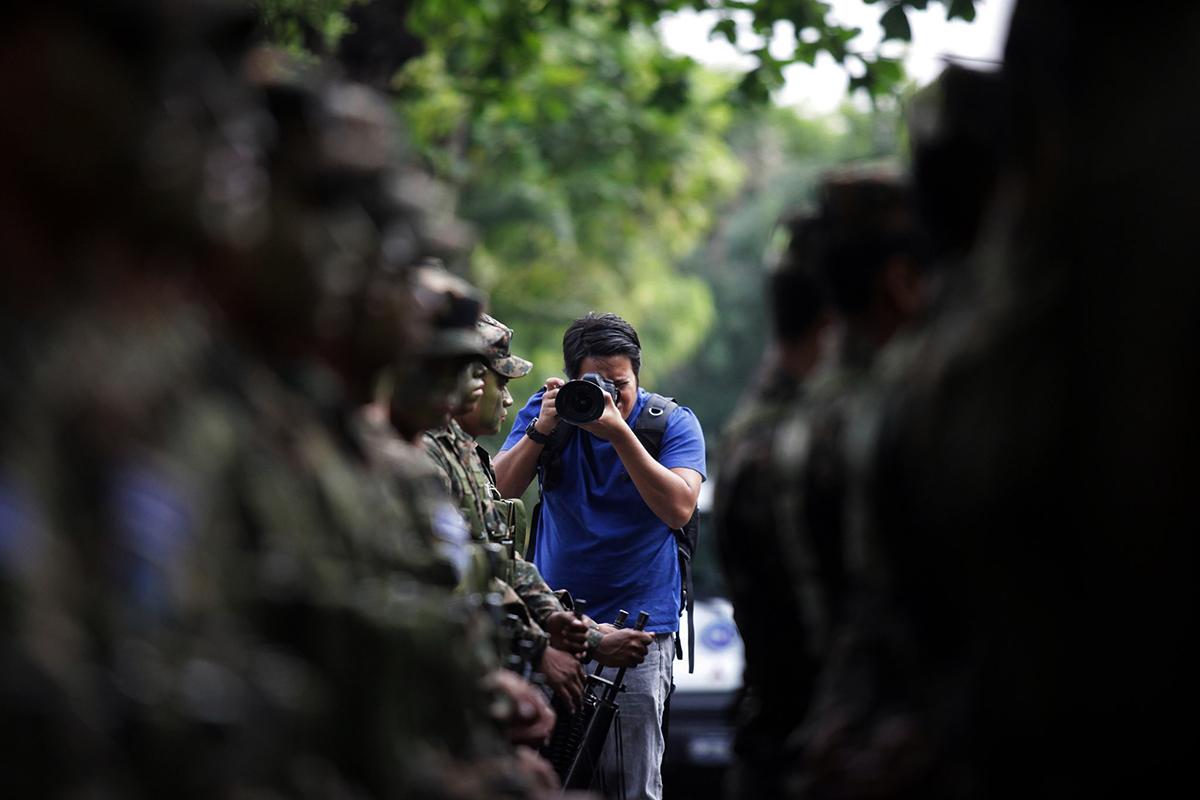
pixel 211 595
pixel 887 718
pixel 419 391
pixel 490 520
pixel 767 569
pixel 865 244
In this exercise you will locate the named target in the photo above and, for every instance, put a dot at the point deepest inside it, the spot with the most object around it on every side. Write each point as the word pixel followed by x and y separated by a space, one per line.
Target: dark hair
pixel 600 335
pixel 795 293
pixel 958 137
pixel 865 222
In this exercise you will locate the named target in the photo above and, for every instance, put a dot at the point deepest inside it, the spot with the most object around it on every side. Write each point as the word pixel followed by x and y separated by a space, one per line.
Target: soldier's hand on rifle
pixel 623 647
pixel 567 632
pixel 564 675
pixel 547 418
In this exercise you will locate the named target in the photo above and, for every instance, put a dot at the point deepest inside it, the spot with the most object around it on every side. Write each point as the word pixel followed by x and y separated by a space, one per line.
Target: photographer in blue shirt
pixel 605 528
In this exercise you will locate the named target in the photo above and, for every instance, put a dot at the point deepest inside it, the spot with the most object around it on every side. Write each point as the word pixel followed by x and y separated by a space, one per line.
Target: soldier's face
pixel 619 370
pixel 470 388
pixel 493 407
pixel 425 394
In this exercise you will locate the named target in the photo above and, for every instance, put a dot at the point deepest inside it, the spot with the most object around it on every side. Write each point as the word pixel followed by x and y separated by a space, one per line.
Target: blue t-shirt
pixel 596 536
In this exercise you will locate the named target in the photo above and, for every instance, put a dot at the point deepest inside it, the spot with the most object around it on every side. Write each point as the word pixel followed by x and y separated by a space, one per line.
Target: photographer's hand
pixel 516 467
pixel 547 419
pixel 610 423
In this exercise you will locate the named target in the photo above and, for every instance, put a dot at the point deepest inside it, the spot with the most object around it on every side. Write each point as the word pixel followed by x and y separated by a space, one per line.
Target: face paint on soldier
pixel 493 407
pixel 469 389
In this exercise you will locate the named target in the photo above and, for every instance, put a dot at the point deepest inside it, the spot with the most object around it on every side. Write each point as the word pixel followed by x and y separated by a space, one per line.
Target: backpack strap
pixel 649 428
pixel 651 422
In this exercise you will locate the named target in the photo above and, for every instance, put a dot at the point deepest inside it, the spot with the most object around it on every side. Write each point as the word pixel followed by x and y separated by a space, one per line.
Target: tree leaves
pixel 727 28
pixel 895 24
pixel 488 42
pixel 961 9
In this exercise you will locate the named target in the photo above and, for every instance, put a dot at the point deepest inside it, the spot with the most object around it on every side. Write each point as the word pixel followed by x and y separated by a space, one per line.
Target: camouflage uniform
pixel 765 571
pixel 205 593
pixel 466 471
pixel 824 455
pixel 776 573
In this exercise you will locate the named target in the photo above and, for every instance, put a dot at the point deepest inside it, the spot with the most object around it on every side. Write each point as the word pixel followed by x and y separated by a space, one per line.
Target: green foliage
pixel 589 176
pixel 514 32
pixel 594 164
pixel 306 27
pixel 784 154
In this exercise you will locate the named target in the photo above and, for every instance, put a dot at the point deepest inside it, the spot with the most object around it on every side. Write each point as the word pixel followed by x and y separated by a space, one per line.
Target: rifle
pixel 604 710
pixel 570 728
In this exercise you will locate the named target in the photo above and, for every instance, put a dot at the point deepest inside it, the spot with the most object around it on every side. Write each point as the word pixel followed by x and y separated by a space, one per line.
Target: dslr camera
pixel 582 401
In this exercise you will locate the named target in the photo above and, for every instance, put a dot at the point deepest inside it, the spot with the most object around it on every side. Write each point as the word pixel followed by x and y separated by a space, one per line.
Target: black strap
pixel 685 565
pixel 651 423
pixel 650 427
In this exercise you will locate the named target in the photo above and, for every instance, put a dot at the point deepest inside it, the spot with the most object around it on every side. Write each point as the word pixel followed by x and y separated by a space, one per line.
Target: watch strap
pixel 533 433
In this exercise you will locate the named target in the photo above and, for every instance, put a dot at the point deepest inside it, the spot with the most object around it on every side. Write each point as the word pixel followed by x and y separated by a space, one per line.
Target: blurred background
pixel 635 156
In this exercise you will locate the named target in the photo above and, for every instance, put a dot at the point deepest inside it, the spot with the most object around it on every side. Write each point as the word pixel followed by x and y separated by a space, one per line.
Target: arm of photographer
pixel 516 467
pixel 671 493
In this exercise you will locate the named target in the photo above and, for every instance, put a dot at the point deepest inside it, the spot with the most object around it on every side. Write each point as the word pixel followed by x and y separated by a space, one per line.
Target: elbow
pixel 507 491
pixel 502 484
pixel 679 516
pixel 505 483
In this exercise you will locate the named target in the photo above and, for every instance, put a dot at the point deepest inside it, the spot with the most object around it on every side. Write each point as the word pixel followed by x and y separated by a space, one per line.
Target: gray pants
pixel 640 725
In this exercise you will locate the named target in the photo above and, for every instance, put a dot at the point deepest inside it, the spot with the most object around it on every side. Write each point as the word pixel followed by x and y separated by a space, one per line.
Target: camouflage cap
pixel 451 306
pixel 496 337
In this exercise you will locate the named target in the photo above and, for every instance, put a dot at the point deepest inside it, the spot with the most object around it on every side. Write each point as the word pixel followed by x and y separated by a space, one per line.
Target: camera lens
pixel 580 402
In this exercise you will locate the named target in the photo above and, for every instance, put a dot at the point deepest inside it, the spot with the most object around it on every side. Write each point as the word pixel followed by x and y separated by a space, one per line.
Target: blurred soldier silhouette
pixel 1032 503
pixel 872 732
pixel 763 563
pixel 205 590
pixel 865 247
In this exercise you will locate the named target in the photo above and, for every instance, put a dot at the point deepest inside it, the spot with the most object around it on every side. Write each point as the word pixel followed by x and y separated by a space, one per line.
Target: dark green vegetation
pixel 602 171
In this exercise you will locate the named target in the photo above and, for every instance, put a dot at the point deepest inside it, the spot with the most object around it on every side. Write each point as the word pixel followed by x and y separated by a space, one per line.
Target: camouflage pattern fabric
pixel 761 553
pixel 469 480
pixel 467 471
pixel 261 604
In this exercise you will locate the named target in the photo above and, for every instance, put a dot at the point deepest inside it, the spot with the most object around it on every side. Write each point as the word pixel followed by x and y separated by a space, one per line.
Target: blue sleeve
pixel 524 417
pixel 683 442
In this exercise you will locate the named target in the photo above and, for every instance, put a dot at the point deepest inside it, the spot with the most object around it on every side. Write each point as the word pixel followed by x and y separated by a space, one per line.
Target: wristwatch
pixel 535 434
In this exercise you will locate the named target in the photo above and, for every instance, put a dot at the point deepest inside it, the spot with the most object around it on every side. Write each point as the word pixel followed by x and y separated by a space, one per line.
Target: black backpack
pixel 649 428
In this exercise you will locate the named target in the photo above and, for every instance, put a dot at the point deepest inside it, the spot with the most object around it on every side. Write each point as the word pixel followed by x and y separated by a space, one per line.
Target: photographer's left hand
pixel 610 424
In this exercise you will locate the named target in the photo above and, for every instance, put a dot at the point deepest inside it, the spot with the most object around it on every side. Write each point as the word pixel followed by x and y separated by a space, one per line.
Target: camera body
pixel 582 401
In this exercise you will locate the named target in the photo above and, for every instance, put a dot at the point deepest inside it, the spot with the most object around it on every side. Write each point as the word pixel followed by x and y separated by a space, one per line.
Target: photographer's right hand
pixel 625 647
pixel 547 419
